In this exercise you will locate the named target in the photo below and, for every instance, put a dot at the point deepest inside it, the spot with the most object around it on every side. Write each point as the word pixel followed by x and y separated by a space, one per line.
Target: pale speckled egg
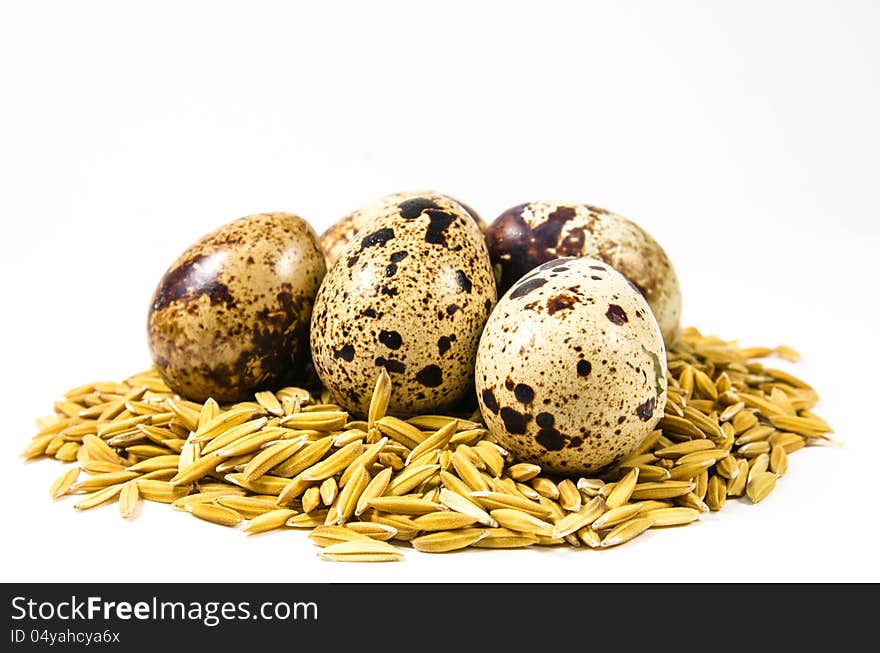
pixel 410 293
pixel 527 235
pixel 231 314
pixel 343 231
pixel 571 367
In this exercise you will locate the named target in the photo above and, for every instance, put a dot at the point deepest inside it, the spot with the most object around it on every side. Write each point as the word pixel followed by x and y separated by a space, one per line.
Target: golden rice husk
pixel 729 429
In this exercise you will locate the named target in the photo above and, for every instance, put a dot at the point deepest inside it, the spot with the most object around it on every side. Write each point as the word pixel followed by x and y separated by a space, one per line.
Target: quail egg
pixel 527 235
pixel 571 367
pixel 231 314
pixel 410 293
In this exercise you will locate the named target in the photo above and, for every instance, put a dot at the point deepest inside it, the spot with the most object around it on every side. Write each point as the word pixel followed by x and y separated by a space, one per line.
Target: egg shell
pixel 343 231
pixel 231 314
pixel 571 367
pixel 529 234
pixel 410 293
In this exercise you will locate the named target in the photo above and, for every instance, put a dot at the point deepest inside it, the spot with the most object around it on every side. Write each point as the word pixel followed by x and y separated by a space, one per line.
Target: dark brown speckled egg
pixel 343 231
pixel 571 367
pixel 410 293
pixel 527 235
pixel 231 314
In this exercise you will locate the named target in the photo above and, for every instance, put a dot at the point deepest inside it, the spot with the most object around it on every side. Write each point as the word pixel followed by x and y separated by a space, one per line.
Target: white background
pixel 742 135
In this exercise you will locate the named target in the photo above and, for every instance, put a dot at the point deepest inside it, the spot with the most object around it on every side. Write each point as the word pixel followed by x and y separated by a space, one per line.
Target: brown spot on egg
pixel 551 439
pixel 412 208
pixel 514 421
pixel 646 410
pixel 526 287
pixel 439 222
pixel 462 280
pixel 390 339
pixel 346 353
pixel 523 393
pixel 430 376
pixel 377 238
pixel 546 234
pixel 573 243
pixel 192 278
pixel 443 344
pixel 489 400
pixel 545 420
pixel 560 303
pixel 616 314
pixel 393 367
pixel 584 368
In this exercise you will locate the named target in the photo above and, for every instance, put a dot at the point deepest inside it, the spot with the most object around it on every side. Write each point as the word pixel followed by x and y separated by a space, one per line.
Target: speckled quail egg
pixel 527 235
pixel 231 314
pixel 343 231
pixel 410 293
pixel 571 367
